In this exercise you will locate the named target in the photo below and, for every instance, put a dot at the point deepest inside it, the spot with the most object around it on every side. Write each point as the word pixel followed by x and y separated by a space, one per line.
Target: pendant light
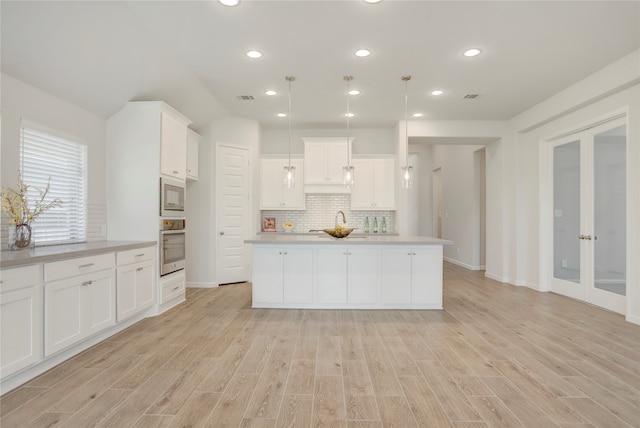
pixel 406 170
pixel 289 172
pixel 348 171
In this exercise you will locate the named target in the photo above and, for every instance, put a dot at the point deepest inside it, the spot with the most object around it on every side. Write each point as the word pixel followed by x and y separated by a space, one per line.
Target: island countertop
pixel 354 239
pixel 15 258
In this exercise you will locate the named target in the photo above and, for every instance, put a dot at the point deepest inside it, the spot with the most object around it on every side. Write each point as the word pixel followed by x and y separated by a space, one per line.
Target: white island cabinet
pixel 360 272
pixel 21 338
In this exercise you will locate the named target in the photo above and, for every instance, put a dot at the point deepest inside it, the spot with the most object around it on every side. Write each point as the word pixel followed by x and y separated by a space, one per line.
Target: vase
pixel 23 235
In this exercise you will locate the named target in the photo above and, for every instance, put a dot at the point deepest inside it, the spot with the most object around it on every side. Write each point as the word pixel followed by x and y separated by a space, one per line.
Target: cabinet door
pixel 173 147
pixel 145 285
pixel 315 163
pixel 193 146
pixel 267 282
pixel 395 275
pixel 426 275
pixel 62 312
pixel 362 267
pixel 384 178
pixel 362 192
pixel 271 184
pixel 99 302
pixel 332 275
pixel 336 160
pixel 294 198
pixel 298 275
pixel 21 329
pixel 126 292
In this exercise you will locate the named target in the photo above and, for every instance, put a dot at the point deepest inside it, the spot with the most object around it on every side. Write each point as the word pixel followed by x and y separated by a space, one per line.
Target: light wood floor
pixel 497 356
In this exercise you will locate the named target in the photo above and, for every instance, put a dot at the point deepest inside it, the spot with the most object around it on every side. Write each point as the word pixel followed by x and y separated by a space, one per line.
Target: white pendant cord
pixel 406 118
pixel 289 79
pixel 348 79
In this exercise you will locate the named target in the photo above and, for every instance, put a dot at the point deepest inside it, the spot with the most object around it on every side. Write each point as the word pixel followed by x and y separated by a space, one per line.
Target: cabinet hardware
pixel 595 237
pixel 175 172
pixel 139 269
pixel 280 252
pixel 588 237
pixel 139 255
pixel 222 232
pixel 87 283
pixel 176 288
pixel 84 266
pixel 409 253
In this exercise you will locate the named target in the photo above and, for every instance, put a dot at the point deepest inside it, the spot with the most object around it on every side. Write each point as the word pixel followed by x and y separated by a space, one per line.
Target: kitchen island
pixel 358 272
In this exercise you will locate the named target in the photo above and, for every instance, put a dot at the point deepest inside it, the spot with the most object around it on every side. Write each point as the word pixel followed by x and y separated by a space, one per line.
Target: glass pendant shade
pixel 407 177
pixel 348 176
pixel 289 177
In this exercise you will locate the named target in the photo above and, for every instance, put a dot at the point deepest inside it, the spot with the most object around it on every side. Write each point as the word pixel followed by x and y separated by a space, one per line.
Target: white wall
pixel 22 101
pixel 367 141
pixel 202 219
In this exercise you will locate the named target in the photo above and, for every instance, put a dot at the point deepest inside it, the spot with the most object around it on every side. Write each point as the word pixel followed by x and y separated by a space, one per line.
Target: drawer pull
pixel 176 288
pixel 139 269
pixel 84 266
pixel 139 255
pixel 84 284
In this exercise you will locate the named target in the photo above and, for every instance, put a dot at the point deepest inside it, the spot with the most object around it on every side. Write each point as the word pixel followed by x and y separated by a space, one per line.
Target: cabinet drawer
pixel 134 256
pixel 172 288
pixel 17 278
pixel 68 268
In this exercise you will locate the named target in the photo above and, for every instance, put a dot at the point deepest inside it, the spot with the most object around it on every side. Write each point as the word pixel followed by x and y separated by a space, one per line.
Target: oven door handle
pixel 172 232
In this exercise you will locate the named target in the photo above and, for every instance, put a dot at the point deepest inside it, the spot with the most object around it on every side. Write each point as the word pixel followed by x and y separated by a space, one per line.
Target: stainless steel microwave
pixel 172 194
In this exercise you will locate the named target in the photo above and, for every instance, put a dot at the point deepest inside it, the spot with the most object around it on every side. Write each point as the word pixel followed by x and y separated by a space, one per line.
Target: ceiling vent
pixel 471 96
pixel 245 97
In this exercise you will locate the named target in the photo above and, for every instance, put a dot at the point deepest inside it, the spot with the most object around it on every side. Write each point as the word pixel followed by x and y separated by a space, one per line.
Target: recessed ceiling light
pixel 270 92
pixel 349 114
pixel 372 1
pixel 354 92
pixel 229 2
pixel 437 92
pixel 362 53
pixel 254 54
pixel 282 115
pixel 417 114
pixel 472 52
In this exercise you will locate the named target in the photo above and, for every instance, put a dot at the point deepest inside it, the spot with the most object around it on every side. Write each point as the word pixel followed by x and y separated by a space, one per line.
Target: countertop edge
pixel 369 240
pixel 53 253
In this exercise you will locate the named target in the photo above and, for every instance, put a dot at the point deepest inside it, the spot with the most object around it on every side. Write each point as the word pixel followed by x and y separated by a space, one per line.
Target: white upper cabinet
pixel 273 195
pixel 373 187
pixel 193 145
pixel 173 147
pixel 324 159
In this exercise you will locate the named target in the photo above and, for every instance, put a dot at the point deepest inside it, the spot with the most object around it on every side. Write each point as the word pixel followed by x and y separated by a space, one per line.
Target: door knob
pixel 222 232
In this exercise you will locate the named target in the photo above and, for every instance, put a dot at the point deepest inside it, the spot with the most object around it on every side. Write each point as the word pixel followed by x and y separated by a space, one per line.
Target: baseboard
pixel 633 319
pixel 464 265
pixel 192 284
pixel 528 284
pixel 496 277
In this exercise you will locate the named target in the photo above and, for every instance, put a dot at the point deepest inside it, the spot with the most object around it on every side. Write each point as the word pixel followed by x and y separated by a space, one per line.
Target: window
pixel 44 155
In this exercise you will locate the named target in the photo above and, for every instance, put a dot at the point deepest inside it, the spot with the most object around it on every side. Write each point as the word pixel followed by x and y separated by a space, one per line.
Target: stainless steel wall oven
pixel 172 245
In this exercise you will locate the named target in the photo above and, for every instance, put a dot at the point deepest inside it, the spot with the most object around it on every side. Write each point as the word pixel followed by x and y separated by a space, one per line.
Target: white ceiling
pixel 99 55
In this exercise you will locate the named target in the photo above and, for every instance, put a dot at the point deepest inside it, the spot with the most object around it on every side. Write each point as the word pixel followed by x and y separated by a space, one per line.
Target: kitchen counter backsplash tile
pixel 321 211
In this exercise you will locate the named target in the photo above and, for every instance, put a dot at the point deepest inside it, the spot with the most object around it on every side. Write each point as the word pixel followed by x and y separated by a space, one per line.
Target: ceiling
pixel 99 55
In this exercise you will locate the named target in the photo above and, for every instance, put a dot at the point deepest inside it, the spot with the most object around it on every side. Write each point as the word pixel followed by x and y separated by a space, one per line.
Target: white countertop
pixel 27 256
pixel 315 239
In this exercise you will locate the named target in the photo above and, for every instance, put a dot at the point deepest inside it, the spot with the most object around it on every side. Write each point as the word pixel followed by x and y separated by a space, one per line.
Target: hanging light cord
pixel 348 79
pixel 406 117
pixel 289 79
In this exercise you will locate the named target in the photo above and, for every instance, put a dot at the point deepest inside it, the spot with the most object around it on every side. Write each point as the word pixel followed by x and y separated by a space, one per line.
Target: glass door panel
pixel 609 210
pixel 566 211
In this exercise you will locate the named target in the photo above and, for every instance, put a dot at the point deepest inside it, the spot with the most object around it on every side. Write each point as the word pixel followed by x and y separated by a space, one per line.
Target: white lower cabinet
pixel 79 306
pixel 411 276
pixel 347 275
pixel 21 324
pixel 135 281
pixel 282 275
pixel 172 286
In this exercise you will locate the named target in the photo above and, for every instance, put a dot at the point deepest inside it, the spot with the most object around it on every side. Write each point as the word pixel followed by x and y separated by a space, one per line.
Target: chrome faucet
pixel 344 219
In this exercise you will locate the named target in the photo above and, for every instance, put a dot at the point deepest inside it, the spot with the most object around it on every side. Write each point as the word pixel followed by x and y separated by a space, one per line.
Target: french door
pixel 589 248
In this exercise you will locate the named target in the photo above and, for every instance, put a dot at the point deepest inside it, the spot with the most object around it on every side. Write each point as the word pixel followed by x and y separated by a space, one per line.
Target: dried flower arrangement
pixel 15 203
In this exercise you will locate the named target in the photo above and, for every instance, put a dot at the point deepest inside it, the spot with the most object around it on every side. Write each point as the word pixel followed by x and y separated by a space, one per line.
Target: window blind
pixel 44 156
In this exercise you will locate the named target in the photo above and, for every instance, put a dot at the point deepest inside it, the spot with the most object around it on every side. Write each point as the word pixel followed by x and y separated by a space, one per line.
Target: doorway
pixel 233 180
pixel 587 218
pixel 437 202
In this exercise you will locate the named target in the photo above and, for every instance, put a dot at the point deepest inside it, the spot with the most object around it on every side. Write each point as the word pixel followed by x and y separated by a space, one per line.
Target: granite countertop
pixel 51 253
pixel 324 239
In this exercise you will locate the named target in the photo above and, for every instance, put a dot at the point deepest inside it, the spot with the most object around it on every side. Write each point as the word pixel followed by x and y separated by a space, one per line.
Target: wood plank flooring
pixel 497 356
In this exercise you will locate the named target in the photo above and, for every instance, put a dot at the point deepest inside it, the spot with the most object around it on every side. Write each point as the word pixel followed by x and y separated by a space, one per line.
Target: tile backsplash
pixel 321 211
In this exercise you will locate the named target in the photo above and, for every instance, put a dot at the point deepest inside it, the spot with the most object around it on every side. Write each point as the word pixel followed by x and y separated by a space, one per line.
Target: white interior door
pixel 233 214
pixel 589 248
